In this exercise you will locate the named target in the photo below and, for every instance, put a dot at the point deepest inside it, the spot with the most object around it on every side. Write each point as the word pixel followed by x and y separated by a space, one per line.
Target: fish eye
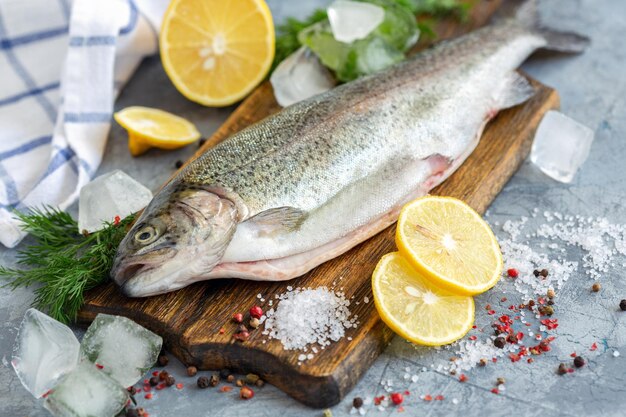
pixel 146 235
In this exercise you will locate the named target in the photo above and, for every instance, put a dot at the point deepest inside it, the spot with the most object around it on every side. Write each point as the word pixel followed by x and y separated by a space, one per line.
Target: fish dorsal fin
pixel 277 219
pixel 515 89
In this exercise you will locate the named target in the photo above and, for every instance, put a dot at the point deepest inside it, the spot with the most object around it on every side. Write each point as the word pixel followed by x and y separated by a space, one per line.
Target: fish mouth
pixel 124 273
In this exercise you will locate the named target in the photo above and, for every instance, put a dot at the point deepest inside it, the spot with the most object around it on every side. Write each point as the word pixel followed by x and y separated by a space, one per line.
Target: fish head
pixel 181 235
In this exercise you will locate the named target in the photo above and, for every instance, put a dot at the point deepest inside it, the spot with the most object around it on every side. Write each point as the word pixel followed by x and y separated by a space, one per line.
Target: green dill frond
pixel 62 261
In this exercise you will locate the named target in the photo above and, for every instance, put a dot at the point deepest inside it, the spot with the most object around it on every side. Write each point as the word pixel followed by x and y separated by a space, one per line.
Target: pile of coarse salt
pixel 306 317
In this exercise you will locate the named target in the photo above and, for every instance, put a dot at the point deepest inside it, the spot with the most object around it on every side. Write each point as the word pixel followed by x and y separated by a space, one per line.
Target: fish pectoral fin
pixel 515 90
pixel 278 219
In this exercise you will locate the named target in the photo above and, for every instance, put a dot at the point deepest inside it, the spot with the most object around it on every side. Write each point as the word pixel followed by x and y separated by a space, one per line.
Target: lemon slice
pixel 216 51
pixel 415 308
pixel 149 128
pixel 449 242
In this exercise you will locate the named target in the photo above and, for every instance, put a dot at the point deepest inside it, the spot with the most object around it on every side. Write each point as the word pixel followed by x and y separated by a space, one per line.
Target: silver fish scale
pixel 311 151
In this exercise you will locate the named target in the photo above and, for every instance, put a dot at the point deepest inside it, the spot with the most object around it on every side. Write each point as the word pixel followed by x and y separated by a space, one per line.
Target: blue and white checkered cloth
pixel 62 64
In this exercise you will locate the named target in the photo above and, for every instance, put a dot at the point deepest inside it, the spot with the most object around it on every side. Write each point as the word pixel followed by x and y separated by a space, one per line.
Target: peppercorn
pixel 201 142
pixel 511 338
pixel 453 372
pixel 240 383
pixel 178 164
pixel 256 312
pixel 170 380
pixel 163 360
pixel 550 302
pixel 238 317
pixel 246 393
pixel 397 398
pixel 546 310
pixel 132 412
pixel 357 402
pixel 536 272
pixel 562 369
pixel 500 381
pixel 259 383
pixel 224 373
pixel 499 342
pixel 132 390
pixel 242 336
pixel 252 378
pixel 230 378
pixel 214 380
pixel 544 273
pixel 551 293
pixel 203 382
pixel 254 322
pixel 192 371
pixel 512 272
pixel 531 303
pixel 483 362
pixel 163 375
pixel 579 361
pixel 596 287
pixel 154 381
pixel 622 305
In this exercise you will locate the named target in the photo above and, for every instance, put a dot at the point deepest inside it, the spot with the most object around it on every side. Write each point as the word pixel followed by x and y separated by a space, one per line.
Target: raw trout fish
pixel 312 181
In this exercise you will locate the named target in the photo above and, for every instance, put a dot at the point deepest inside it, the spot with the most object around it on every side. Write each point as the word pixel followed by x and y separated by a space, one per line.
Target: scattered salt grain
pixel 615 353
pixel 309 316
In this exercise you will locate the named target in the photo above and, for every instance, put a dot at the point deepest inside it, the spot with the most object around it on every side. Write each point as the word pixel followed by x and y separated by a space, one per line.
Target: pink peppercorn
pixel 397 398
pixel 256 312
pixel 512 272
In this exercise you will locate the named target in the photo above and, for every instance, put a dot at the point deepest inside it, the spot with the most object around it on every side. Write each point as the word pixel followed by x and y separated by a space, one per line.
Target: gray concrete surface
pixel 593 90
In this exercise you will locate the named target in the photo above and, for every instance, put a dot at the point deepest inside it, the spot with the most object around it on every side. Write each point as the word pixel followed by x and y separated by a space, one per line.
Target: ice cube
pixel 45 350
pixel 300 76
pixel 353 20
pixel 561 146
pixel 110 195
pixel 123 349
pixel 86 392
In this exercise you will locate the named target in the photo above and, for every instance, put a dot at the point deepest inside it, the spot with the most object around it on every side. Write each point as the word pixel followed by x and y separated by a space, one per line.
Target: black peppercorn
pixel 163 360
pixel 203 382
pixel 178 164
pixel 154 381
pixel 536 272
pixel 579 362
pixel 357 402
pixel 499 342
pixel 163 375
pixel 544 273
pixel 201 142
pixel 562 369
pixel 192 371
pixel 132 412
pixel 622 305
pixel 170 380
pixel 215 379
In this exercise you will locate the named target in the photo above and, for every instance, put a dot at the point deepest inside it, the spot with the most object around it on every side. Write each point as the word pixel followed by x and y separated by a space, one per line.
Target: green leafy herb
pixel 287 34
pixel 63 262
pixel 385 46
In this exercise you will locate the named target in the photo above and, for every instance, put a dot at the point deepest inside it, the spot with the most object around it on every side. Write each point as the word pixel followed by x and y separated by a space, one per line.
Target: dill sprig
pixel 62 262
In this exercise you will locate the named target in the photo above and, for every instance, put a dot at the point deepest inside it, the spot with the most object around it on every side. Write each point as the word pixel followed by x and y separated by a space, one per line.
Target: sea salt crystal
pixel 561 146
pixel 309 316
pixel 616 353
pixel 455 401
pixel 366 300
pixel 414 378
pixel 302 357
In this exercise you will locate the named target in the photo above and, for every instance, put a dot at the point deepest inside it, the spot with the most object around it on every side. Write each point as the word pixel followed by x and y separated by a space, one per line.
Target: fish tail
pixel 569 42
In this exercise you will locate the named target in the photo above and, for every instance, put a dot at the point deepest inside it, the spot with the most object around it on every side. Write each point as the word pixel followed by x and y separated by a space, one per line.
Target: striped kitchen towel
pixel 62 64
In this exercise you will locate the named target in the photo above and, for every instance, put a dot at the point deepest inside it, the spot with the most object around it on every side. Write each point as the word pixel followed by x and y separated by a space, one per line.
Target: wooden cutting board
pixel 190 319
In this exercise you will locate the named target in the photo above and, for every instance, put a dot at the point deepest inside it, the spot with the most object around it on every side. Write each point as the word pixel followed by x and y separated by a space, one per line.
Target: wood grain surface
pixel 190 319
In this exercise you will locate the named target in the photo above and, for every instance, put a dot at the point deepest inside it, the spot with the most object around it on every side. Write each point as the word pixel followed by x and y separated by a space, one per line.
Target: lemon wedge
pixel 416 309
pixel 447 241
pixel 216 51
pixel 148 128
